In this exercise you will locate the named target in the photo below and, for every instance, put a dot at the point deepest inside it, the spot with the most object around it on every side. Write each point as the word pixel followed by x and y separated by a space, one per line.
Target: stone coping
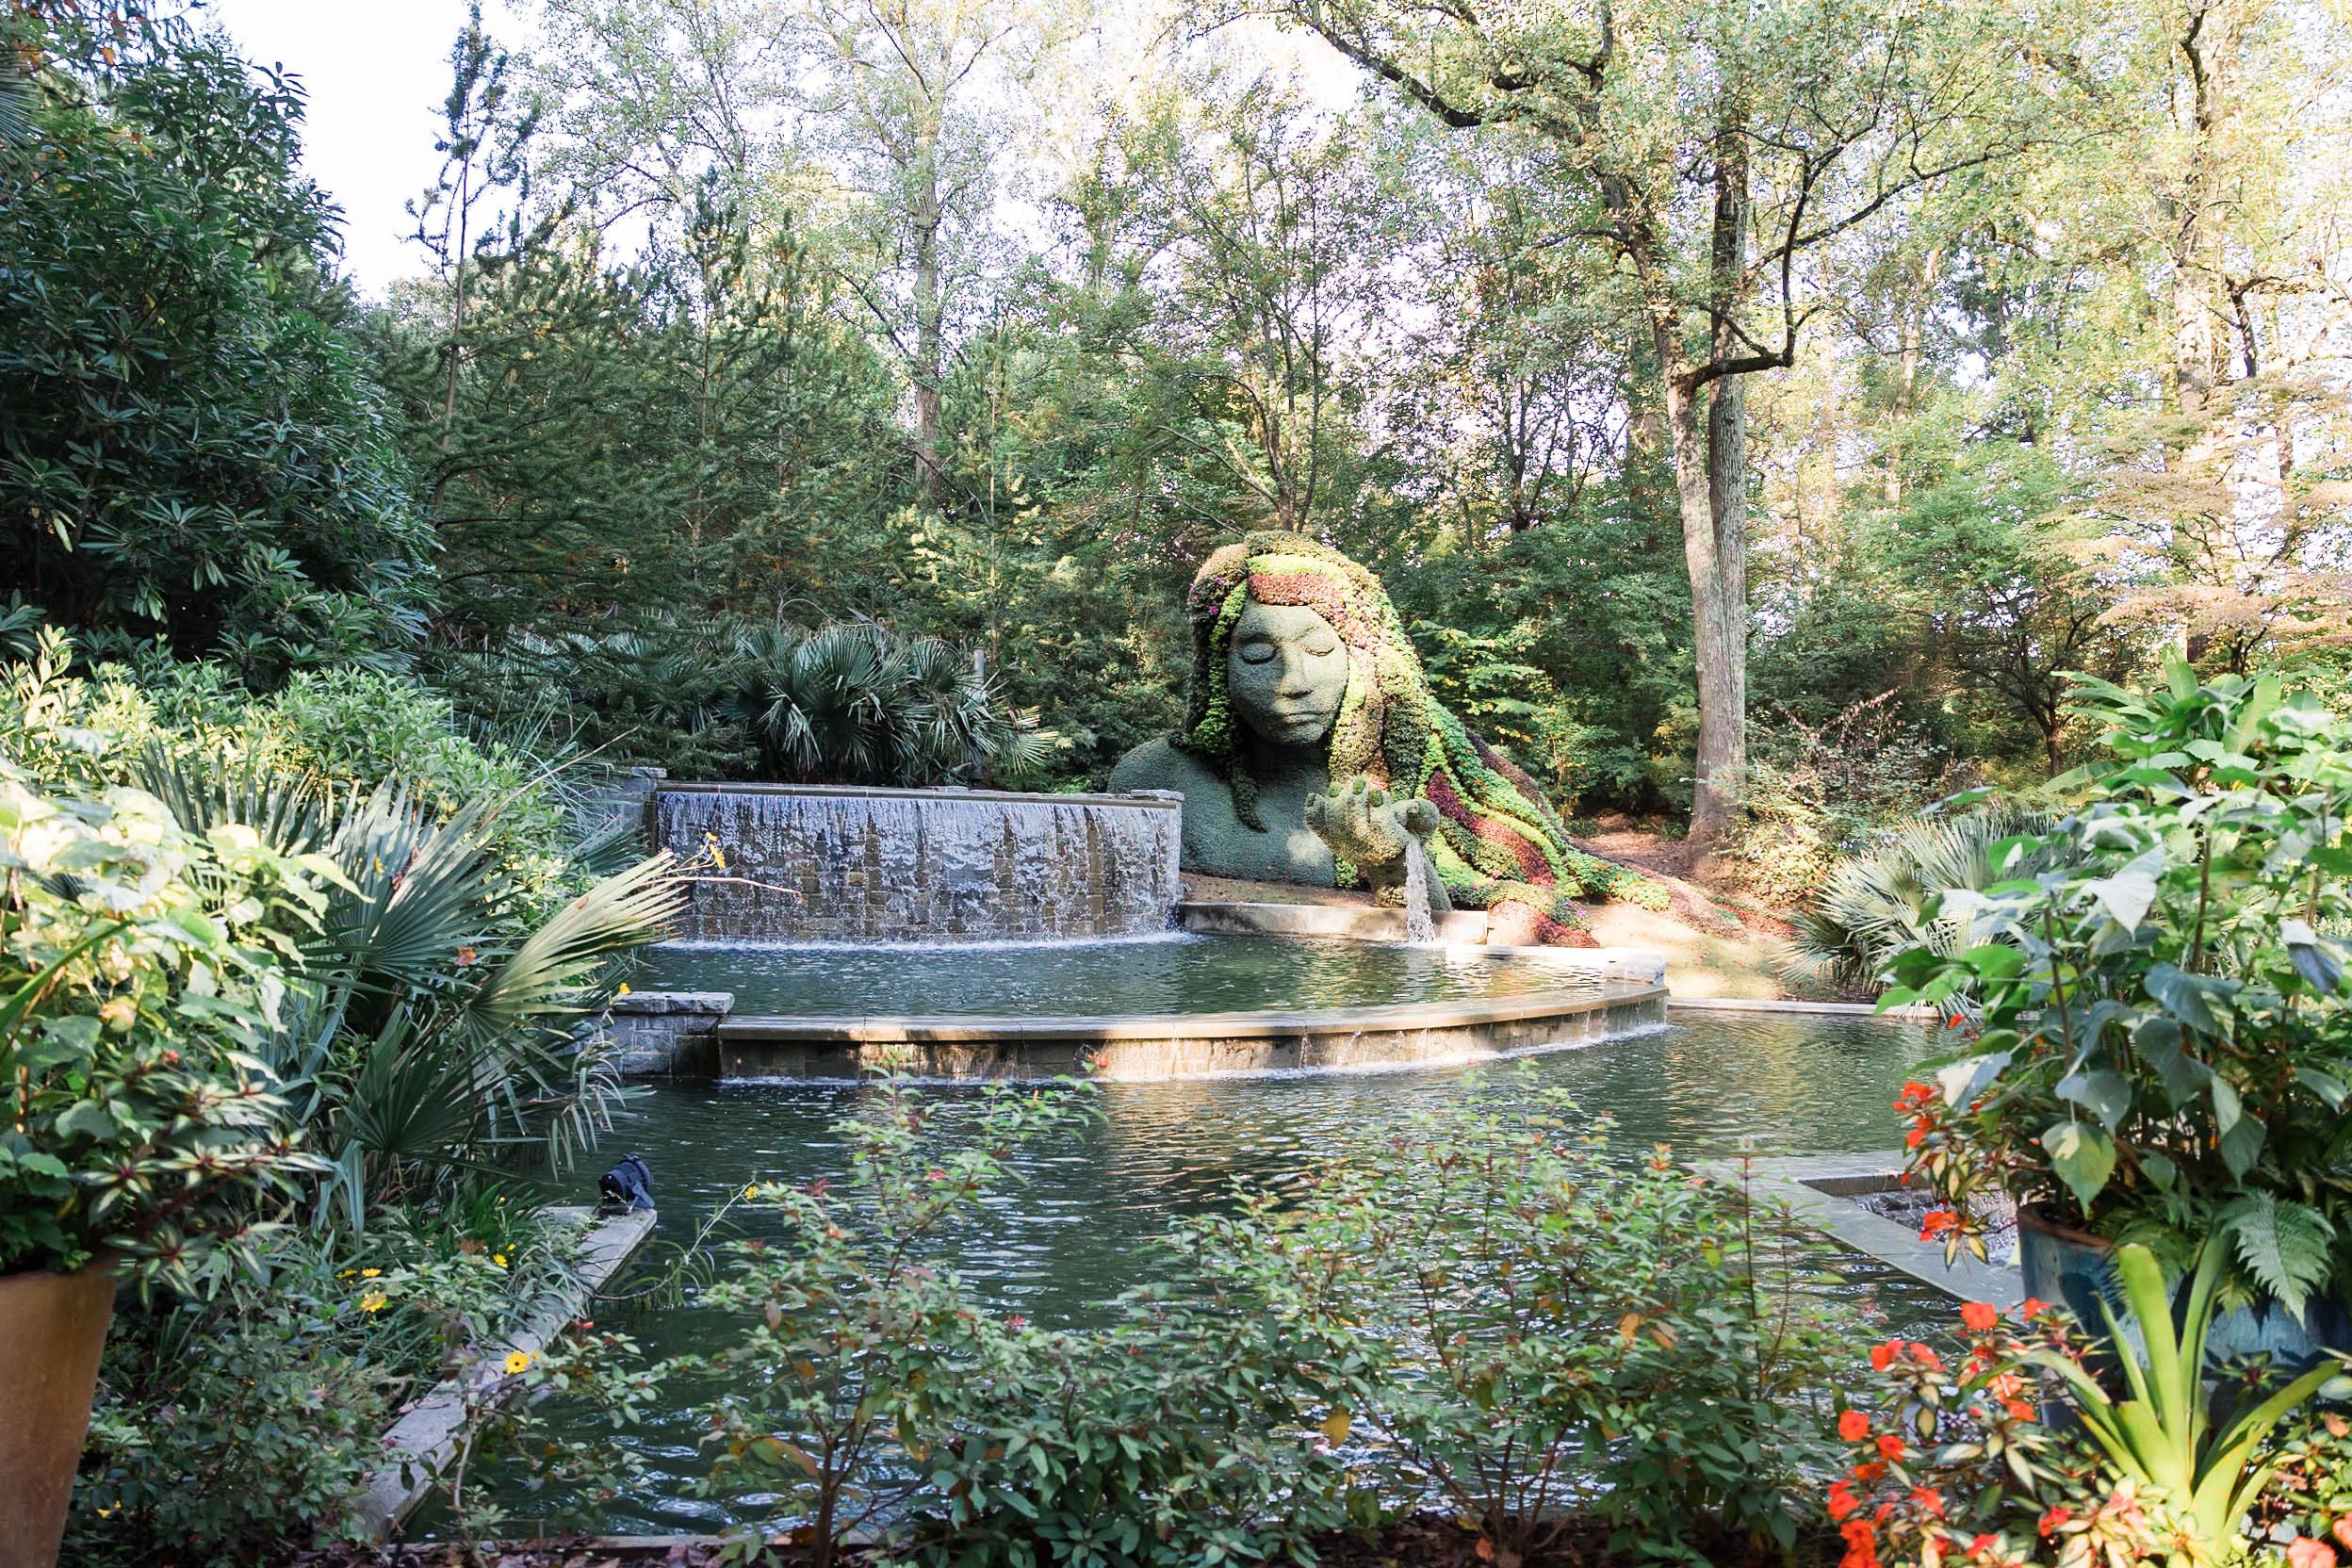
pixel 656 1004
pixel 1158 800
pixel 427 1433
pixel 1818 1188
pixel 1376 922
pixel 1157 1026
pixel 1761 1004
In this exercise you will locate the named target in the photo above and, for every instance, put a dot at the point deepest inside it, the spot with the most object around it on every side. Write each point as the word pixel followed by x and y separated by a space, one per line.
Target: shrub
pixel 2166 1042
pixel 140 978
pixel 239 1426
pixel 1523 1323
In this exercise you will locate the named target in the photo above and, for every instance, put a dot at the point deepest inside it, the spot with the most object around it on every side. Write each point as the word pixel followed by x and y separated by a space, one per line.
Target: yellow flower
pixel 623 990
pixel 517 1361
pixel 498 1258
pixel 369 1273
pixel 375 1300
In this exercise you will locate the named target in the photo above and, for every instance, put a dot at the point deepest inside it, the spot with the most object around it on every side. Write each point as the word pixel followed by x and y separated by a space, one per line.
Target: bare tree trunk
pixel 929 307
pixel 2210 43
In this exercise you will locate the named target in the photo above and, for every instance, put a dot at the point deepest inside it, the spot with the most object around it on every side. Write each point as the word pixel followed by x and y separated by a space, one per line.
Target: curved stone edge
pixel 421 1441
pixel 1818 1190
pixel 1150 1047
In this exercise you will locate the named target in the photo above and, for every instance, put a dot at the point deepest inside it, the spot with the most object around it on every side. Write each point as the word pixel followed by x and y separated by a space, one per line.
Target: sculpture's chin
pixel 1302 731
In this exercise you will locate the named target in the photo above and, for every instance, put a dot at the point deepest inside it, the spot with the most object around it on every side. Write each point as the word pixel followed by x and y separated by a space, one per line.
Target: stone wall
pixel 659 1033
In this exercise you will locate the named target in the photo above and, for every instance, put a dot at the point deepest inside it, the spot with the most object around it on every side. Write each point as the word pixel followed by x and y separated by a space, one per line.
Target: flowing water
pixel 1167 975
pixel 841 865
pixel 1079 1230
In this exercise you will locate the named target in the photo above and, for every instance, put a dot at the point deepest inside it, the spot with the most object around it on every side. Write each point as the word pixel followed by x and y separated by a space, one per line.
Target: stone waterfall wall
pixel 808 863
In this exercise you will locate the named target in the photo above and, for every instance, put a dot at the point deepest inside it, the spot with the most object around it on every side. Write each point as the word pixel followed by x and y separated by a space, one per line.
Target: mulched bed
pixel 1427 1541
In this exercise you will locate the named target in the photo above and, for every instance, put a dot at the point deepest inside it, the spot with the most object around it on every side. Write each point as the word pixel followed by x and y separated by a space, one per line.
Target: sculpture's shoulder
pixel 1157 764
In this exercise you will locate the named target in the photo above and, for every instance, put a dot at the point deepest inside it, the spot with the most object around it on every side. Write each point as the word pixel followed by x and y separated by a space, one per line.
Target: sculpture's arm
pixel 1369 830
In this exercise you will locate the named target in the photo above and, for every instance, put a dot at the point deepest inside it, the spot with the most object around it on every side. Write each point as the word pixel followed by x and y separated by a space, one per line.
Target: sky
pixel 376 71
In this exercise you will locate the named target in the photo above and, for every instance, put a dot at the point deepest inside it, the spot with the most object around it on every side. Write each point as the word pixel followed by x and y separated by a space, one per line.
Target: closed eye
pixel 1256 653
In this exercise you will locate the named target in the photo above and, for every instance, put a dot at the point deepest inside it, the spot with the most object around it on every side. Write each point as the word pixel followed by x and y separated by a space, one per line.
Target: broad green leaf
pixel 2106 1095
pixel 1963 1080
pixel 2083 1155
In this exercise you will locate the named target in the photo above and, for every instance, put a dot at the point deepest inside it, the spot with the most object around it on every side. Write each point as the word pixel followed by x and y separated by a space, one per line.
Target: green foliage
pixel 1958 1463
pixel 1887 899
pixel 855 1315
pixel 857 704
pixel 1525 1324
pixel 142 974
pixel 189 448
pixel 2166 1045
pixel 1492 1312
pixel 239 1427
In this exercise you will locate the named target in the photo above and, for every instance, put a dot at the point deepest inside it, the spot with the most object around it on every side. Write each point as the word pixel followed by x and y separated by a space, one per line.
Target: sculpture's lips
pixel 1302 720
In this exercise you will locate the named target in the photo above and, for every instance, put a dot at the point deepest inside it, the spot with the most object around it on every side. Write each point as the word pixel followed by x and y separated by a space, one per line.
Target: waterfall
pixel 810 863
pixel 1419 927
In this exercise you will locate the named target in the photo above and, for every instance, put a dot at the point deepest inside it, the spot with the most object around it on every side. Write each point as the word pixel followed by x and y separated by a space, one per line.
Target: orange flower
pixel 1926 1357
pixel 1883 1356
pixel 2032 1307
pixel 2019 1410
pixel 2303 1552
pixel 1890 1447
pixel 1871 1471
pixel 1841 1500
pixel 2054 1518
pixel 1938 1222
pixel 1853 1425
pixel 1861 1545
pixel 1932 1502
pixel 1915 1137
pixel 1981 1544
pixel 1980 1316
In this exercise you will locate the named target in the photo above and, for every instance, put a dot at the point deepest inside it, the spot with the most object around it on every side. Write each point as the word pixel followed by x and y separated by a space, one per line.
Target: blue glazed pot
pixel 2076 1270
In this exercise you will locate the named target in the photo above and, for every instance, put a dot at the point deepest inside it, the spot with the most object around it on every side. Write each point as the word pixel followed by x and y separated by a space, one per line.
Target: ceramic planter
pixel 52 1328
pixel 2075 1269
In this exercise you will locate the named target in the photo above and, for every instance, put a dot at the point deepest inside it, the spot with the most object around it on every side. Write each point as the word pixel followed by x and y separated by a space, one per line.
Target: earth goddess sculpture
pixel 1313 751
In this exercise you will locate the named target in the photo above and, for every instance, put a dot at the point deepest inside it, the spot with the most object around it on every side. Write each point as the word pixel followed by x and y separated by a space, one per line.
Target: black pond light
pixel 627 1184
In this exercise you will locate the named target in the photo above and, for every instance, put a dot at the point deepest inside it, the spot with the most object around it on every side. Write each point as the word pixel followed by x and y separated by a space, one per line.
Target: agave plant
pixel 1876 906
pixel 431 1027
pixel 855 703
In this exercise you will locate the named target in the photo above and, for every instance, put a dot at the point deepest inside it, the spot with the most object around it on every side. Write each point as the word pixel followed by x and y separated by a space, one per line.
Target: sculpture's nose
pixel 1295 682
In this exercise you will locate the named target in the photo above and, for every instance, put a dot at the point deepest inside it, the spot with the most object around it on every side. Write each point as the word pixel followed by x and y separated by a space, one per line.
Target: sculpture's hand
pixel 1367 829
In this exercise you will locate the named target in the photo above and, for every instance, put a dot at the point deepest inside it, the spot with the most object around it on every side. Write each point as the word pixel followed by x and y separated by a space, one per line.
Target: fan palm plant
pixel 432 1027
pixel 1876 906
pixel 855 703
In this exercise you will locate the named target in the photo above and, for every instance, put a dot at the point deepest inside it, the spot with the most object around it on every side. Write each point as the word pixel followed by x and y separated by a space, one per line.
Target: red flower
pixel 1870 1472
pixel 2303 1552
pixel 1890 1447
pixel 1841 1500
pixel 2032 1307
pixel 1883 1356
pixel 1915 1137
pixel 1980 1316
pixel 1853 1425
pixel 2019 1411
pixel 1981 1544
pixel 1937 1220
pixel 1932 1501
pixel 2054 1518
pixel 1926 1357
pixel 1861 1545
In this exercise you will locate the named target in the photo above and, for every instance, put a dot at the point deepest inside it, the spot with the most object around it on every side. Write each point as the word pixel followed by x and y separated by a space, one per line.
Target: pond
pixel 1079 1233
pixel 1162 974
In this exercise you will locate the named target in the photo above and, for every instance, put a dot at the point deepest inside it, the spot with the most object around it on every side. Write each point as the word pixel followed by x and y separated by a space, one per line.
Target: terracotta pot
pixel 52 1328
pixel 2075 1269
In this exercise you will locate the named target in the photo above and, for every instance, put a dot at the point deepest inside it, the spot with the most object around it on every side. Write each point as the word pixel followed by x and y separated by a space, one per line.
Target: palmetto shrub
pixel 859 703
pixel 1877 904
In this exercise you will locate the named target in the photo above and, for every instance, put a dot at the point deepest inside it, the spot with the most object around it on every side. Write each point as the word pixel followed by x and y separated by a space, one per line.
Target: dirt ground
pixel 1716 942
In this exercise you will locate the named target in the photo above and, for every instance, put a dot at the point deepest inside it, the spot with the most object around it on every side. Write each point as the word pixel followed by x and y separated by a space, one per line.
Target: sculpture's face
pixel 1285 673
